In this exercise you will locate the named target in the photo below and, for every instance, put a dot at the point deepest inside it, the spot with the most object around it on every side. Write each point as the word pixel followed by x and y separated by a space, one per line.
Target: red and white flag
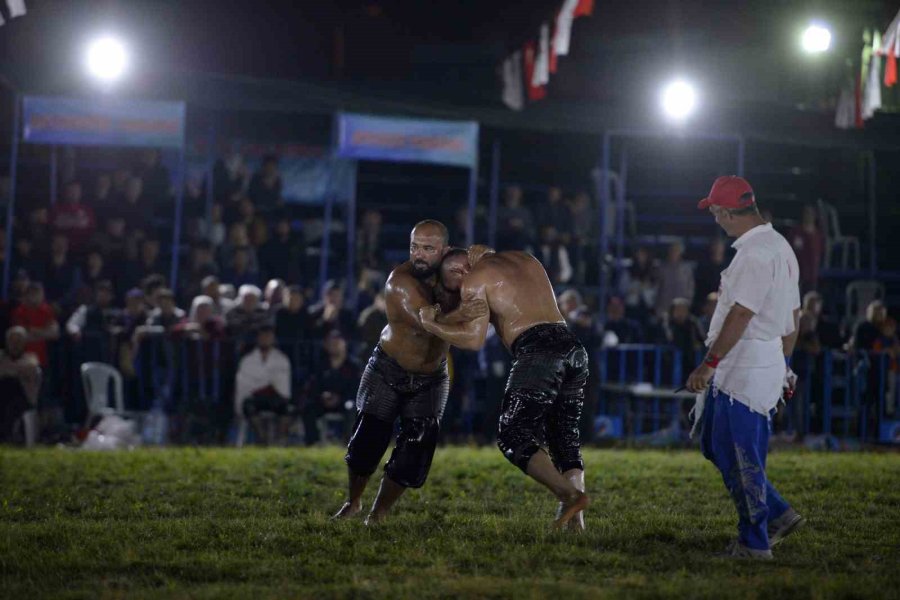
pixel 890 48
pixel 541 75
pixel 14 8
pixel 513 95
pixel 585 8
pixel 535 92
pixel 562 32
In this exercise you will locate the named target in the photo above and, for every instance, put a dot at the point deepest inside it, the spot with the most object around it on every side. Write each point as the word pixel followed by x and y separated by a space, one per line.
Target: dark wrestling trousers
pixel 387 391
pixel 544 397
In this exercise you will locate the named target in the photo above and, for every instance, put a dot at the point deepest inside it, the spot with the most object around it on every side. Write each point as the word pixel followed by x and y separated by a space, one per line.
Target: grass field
pixel 215 523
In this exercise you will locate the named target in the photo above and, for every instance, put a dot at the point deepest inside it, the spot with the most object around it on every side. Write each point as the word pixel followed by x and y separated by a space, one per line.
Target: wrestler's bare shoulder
pixel 401 278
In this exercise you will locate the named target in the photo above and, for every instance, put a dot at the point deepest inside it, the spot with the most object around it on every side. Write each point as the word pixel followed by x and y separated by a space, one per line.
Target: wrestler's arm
pixel 469 309
pixel 403 300
pixel 467 335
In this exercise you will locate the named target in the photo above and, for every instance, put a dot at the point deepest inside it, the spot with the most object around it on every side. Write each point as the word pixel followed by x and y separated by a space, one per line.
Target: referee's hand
pixel 699 379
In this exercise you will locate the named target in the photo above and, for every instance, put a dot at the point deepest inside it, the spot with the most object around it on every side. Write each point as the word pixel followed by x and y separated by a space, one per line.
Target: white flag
pixel 16 9
pixel 871 100
pixel 845 117
pixel 513 96
pixel 563 33
pixel 541 74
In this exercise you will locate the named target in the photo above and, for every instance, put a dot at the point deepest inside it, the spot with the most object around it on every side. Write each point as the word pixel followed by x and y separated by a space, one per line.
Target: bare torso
pixel 403 339
pixel 517 290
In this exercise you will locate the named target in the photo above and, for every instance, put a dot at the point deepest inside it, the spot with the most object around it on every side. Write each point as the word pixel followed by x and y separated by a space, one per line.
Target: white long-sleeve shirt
pixel 255 373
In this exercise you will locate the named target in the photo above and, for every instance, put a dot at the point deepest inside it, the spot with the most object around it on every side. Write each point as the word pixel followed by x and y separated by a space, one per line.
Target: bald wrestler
pixel 406 378
pixel 545 389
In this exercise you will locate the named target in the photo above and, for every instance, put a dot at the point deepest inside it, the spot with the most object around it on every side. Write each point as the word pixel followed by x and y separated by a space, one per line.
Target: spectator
pixel 120 179
pixel 292 322
pixel 868 331
pixel 282 255
pixel 202 264
pixel 136 208
pixel 212 229
pixel 39 321
pixel 619 329
pixel 102 200
pixel 263 381
pixel 554 256
pixel 265 186
pixel 639 287
pixel 515 225
pixel 202 321
pixel 556 213
pixel 809 246
pixel 24 255
pixel 148 263
pixel 569 301
pixel 230 176
pixel 708 271
pixel 20 383
pixel 676 279
pixel 369 253
pixel 248 315
pixel 238 238
pixel 371 322
pixel 814 322
pixel 98 317
pixel 684 332
pixel 155 176
pixel 210 287
pixel 274 294
pixel 39 229
pixel 239 273
pixel 166 315
pixel 330 312
pixel 60 272
pixel 246 213
pixel 333 388
pixel 584 232
pixel 95 270
pixel 130 320
pixel 707 311
pixel 113 243
pixel 73 219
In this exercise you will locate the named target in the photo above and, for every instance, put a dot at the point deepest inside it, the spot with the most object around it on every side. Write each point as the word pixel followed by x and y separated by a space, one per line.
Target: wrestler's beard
pixel 422 270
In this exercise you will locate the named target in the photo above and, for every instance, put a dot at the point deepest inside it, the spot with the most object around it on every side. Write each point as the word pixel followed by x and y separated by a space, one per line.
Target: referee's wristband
pixel 711 360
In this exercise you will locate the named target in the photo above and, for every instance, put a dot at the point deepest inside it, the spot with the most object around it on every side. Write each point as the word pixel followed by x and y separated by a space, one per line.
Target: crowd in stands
pixel 93 269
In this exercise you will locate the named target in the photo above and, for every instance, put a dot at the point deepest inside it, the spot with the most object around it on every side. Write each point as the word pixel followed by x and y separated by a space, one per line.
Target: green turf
pixel 214 523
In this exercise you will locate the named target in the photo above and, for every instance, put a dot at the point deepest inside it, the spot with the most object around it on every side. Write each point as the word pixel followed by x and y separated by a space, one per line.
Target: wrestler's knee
pixel 416 443
pixel 370 439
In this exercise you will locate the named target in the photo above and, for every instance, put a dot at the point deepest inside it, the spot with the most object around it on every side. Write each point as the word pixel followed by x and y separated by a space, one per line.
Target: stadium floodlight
pixel 816 39
pixel 106 59
pixel 679 99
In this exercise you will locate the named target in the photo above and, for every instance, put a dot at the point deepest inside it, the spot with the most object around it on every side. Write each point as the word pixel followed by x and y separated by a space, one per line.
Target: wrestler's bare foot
pixel 572 507
pixel 349 509
pixel 375 517
pixel 576 524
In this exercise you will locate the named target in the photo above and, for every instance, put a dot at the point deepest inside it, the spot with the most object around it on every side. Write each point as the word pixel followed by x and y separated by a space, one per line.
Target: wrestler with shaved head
pixel 406 378
pixel 545 390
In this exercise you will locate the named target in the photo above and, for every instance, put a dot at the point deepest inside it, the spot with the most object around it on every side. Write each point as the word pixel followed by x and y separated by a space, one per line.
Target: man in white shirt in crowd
pixel 751 338
pixel 263 382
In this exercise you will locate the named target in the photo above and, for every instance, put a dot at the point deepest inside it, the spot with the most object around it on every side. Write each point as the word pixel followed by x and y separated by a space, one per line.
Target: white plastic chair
pixel 849 245
pixel 95 378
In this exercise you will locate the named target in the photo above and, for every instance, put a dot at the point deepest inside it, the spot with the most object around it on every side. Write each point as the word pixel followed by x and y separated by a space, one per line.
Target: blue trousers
pixel 736 440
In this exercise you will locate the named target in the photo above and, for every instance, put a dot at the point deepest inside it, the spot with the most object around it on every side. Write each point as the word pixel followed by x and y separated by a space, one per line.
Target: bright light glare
pixel 679 99
pixel 106 59
pixel 816 39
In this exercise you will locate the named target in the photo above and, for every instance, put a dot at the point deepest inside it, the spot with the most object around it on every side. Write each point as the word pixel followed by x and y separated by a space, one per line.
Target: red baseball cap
pixel 727 192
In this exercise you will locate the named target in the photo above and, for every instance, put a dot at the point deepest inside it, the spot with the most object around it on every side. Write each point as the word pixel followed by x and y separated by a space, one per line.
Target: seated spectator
pixel 369 253
pixel 228 293
pixel 102 198
pixel 239 273
pixel 148 263
pixel 282 255
pixel 292 321
pixel 166 315
pixel 20 384
pixel 98 317
pixel 274 294
pixel 39 321
pixel 639 287
pixel 813 321
pixel 556 213
pixel 212 229
pixel 25 256
pixel 202 322
pixel 231 177
pixel 135 207
pixel 120 178
pixel 210 287
pixel 150 285
pixel 113 243
pixel 515 225
pixel 333 388
pixel 707 311
pixel 60 273
pixel 201 265
pixel 808 242
pixel 683 331
pixel 708 273
pixel 73 218
pixel 569 301
pixel 869 330
pixel 259 233
pixel 371 322
pixel 155 176
pixel 330 313
pixel 554 256
pixel 676 279
pixel 618 328
pixel 17 289
pixel 263 381
pixel 38 229
pixel 238 238
pixel 265 186
pixel 95 270
pixel 248 315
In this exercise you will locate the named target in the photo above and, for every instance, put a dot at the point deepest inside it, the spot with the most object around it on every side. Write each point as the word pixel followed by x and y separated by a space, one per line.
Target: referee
pixel 751 338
